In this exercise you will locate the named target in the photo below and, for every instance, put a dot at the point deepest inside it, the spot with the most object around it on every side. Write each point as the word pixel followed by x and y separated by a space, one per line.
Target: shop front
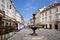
pixel 2 15
pixel 57 25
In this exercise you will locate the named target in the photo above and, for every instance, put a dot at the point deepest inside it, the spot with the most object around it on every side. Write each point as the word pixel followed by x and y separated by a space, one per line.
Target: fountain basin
pixel 34 31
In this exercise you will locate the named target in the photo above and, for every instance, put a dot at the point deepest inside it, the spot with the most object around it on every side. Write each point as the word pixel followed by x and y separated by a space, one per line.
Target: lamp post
pixel 34 27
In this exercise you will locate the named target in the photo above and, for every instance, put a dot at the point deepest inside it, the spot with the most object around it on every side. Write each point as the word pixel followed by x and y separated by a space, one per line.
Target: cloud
pixel 29 8
pixel 29 3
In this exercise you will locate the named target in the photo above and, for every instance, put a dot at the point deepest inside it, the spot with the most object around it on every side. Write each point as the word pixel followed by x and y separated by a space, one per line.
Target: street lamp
pixel 34 27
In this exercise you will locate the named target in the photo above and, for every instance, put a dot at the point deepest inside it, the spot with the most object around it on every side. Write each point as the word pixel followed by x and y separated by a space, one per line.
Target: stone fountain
pixel 34 27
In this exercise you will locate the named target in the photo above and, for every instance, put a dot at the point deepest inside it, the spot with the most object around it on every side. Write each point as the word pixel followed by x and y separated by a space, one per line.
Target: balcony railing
pixel 57 20
pixel 2 13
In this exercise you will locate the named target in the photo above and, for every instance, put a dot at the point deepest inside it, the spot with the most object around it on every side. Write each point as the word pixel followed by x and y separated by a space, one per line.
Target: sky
pixel 29 7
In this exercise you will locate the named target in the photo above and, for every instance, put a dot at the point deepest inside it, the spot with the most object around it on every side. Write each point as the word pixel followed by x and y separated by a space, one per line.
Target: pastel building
pixel 49 16
pixel 19 19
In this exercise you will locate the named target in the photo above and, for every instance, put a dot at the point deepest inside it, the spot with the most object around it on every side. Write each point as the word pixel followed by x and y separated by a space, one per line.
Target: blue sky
pixel 29 7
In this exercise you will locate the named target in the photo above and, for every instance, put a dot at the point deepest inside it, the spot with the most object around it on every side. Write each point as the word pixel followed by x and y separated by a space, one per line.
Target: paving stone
pixel 44 34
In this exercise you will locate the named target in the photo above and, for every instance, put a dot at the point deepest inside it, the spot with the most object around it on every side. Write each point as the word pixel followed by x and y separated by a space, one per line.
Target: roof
pixel 53 5
pixel 42 9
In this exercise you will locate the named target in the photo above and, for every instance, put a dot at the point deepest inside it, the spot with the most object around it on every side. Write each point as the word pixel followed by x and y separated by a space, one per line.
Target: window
pixel 6 11
pixel 3 8
pixel 58 16
pixel 56 9
pixel 10 6
pixel 50 11
pixel 10 24
pixel 42 19
pixel 45 19
pixel 39 15
pixel 42 14
pixel 3 1
pixel 6 24
pixel 45 13
pixel 50 18
pixel 7 4
pixel 50 26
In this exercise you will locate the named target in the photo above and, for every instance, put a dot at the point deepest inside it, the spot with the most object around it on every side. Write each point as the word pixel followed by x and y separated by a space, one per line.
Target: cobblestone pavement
pixel 43 34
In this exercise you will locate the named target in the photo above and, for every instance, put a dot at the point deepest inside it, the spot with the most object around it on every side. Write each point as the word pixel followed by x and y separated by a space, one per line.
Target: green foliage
pixel 10 30
pixel 7 29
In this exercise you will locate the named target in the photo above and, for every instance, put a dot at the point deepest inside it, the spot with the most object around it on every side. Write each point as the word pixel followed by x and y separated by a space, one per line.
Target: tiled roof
pixel 49 7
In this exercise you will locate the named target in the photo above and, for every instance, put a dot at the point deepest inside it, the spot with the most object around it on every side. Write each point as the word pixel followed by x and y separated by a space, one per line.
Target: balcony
pixel 2 13
pixel 57 20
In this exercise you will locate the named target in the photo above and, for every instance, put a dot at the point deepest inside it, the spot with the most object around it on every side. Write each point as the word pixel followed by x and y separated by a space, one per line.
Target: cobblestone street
pixel 43 34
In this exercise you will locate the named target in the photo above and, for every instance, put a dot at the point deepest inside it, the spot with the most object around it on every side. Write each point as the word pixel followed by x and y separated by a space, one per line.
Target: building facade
pixel 9 17
pixel 30 22
pixel 19 19
pixel 49 16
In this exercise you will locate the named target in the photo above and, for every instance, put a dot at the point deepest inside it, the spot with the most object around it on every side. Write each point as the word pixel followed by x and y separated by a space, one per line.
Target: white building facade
pixel 9 15
pixel 19 19
pixel 10 18
pixel 49 16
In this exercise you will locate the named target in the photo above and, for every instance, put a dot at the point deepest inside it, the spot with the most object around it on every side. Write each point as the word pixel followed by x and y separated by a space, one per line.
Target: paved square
pixel 43 34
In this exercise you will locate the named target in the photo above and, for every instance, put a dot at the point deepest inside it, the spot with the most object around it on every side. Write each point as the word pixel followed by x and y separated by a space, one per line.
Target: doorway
pixel 56 26
pixel 50 26
pixel 46 26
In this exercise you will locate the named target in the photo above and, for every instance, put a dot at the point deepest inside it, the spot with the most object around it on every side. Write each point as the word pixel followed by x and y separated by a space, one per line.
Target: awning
pixel 40 23
pixel 6 19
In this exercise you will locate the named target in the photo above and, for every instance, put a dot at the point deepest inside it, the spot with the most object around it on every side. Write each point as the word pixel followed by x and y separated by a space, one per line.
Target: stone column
pixel 45 26
pixel 53 26
pixel 48 25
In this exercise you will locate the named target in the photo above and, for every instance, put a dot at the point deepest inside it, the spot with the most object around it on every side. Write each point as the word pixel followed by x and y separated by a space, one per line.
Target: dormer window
pixel 10 6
